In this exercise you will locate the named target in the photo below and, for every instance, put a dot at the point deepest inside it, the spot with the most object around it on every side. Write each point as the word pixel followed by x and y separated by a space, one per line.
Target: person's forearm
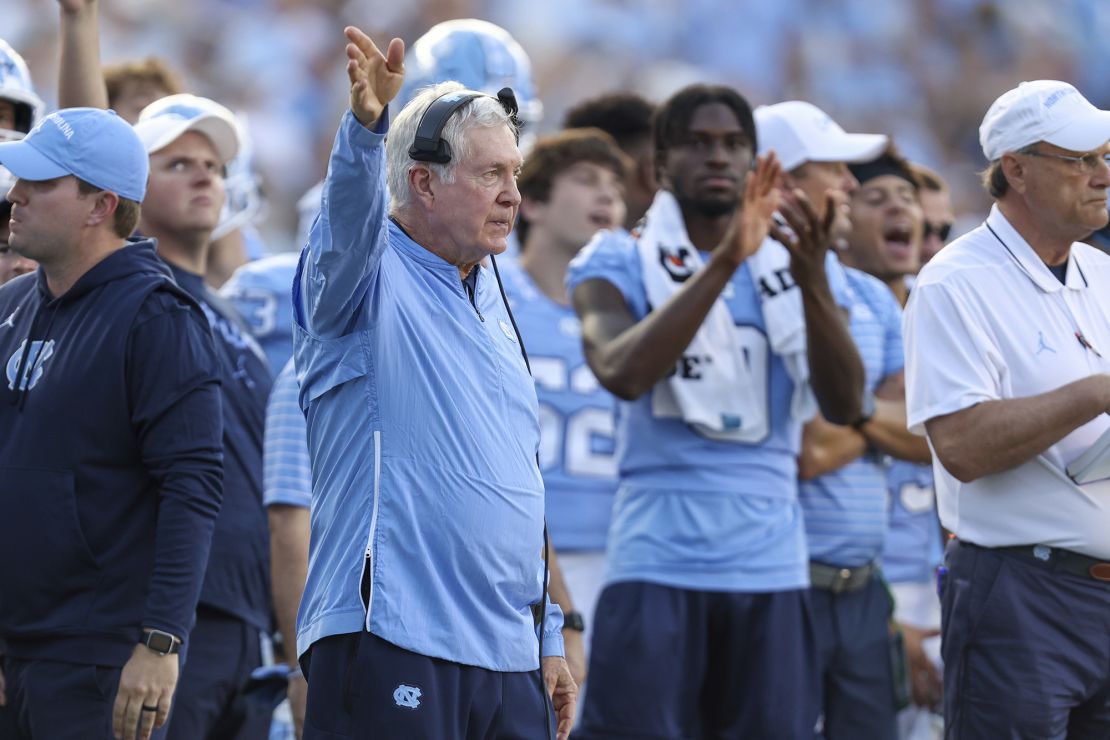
pixel 349 236
pixel 835 368
pixel 888 433
pixel 557 589
pixel 995 436
pixel 644 353
pixel 827 447
pixel 191 490
pixel 80 80
pixel 289 538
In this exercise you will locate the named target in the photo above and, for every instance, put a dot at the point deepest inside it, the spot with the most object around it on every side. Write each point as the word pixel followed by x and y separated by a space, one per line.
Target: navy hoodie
pixel 237 581
pixel 110 459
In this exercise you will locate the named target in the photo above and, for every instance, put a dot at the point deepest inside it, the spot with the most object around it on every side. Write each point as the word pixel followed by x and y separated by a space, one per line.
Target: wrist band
pixel 295 673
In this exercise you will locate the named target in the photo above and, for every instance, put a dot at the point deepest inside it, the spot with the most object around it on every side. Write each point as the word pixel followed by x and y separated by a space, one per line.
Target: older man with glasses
pixel 1008 373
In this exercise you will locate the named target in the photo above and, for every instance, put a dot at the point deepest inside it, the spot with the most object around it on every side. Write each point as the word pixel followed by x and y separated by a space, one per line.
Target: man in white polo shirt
pixel 1008 373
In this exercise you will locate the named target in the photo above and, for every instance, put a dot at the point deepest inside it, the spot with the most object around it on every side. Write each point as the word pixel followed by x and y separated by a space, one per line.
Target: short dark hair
pixel 625 116
pixel 552 155
pixel 127 211
pixel 672 119
pixel 149 71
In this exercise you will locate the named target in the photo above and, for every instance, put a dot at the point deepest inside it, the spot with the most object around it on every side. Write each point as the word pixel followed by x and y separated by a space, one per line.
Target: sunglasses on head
pixel 941 230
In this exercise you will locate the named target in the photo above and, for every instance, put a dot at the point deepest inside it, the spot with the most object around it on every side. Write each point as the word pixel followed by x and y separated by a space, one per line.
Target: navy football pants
pixel 672 663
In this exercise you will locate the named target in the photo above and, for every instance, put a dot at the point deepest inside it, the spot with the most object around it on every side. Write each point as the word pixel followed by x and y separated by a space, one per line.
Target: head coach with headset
pixel 1008 372
pixel 425 579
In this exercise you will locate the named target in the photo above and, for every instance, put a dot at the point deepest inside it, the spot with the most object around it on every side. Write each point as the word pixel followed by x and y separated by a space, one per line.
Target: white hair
pixel 483 111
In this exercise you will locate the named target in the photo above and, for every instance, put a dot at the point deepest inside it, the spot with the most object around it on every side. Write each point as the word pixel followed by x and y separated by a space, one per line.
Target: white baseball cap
pixel 1042 110
pixel 165 120
pixel 800 132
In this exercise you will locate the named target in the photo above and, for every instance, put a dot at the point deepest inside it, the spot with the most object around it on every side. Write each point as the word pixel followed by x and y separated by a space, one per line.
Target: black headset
pixel 429 145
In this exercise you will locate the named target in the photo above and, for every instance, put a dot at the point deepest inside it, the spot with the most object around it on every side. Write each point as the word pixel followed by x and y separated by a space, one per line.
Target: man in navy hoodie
pixel 189 141
pixel 110 456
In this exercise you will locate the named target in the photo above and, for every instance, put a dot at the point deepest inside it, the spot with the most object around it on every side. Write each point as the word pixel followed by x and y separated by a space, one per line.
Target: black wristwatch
pixel 574 621
pixel 161 642
pixel 866 411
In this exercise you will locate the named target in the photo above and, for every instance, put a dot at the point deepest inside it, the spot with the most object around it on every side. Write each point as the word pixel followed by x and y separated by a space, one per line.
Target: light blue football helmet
pixel 480 55
pixel 16 88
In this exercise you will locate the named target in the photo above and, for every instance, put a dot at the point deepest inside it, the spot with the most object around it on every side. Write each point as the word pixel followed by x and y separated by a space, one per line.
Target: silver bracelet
pixel 295 673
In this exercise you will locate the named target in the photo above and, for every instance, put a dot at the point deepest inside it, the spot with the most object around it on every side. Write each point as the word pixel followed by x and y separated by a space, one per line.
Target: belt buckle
pixel 843 578
pixel 1100 572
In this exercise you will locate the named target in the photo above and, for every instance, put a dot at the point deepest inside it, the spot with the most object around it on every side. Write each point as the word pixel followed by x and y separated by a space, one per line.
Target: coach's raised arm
pixel 427 521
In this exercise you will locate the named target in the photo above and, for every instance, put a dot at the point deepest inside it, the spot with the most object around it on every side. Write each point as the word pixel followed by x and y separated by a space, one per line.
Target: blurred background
pixel 924 71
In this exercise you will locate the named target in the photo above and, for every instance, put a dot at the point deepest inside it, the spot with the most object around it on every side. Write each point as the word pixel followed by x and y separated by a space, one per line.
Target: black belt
pixel 840 580
pixel 1056 560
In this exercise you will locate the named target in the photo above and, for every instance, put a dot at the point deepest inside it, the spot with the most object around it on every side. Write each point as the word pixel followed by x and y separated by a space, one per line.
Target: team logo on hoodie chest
pixel 33 364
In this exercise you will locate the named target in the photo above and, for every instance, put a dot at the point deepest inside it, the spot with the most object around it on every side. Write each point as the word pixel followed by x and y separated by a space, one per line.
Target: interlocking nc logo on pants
pixel 32 371
pixel 407 696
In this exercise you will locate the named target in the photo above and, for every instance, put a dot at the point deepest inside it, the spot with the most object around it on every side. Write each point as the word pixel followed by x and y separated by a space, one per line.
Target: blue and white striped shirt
pixel 846 510
pixel 286 476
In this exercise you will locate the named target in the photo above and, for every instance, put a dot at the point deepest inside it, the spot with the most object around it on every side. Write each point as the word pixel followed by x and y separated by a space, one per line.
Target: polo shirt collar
pixel 1031 264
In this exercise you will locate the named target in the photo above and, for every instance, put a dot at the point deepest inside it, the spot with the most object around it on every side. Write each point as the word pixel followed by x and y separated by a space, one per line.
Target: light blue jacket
pixel 423 430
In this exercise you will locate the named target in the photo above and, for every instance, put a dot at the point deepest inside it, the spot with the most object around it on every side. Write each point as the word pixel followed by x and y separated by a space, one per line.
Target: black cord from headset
pixel 546 547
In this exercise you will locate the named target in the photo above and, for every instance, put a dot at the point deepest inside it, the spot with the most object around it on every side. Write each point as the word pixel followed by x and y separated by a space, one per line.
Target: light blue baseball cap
pixel 94 145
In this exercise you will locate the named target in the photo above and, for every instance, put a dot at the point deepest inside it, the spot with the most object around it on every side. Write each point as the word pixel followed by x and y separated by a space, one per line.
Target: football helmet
pixel 15 87
pixel 480 55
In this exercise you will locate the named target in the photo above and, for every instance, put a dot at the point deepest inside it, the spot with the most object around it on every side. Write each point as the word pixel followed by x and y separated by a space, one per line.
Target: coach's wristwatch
pixel 866 411
pixel 574 621
pixel 161 642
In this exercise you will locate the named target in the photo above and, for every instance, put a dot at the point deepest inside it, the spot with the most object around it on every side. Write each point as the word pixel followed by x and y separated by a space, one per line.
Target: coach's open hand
pixel 564 693
pixel 375 79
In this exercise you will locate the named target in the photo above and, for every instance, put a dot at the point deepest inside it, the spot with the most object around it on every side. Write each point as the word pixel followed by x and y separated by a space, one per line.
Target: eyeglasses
pixel 1086 164
pixel 941 230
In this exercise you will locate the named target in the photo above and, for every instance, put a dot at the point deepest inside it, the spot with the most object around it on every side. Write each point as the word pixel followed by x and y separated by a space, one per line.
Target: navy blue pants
pixel 210 701
pixel 361 687
pixel 59 701
pixel 50 699
pixel 854 654
pixel 1026 649
pixel 672 663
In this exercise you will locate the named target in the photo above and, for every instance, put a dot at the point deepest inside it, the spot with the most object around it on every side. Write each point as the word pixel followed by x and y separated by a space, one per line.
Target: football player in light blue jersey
pixel 571 186
pixel 262 293
pixel 704 626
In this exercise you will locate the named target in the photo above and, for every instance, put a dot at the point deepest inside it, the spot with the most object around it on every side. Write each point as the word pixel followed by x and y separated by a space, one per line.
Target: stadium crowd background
pixel 921 70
